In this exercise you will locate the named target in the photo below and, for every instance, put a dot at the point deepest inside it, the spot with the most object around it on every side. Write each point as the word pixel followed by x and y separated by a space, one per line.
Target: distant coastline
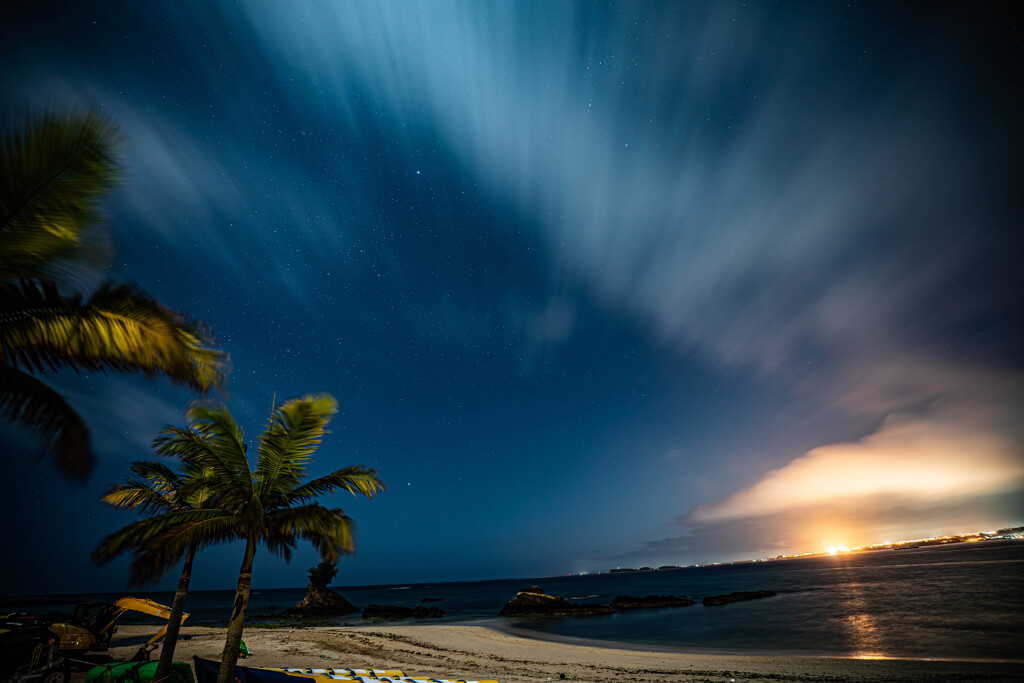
pixel 1009 534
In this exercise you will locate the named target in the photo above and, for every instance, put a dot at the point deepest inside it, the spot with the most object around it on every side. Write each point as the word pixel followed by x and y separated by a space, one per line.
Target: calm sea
pixel 963 601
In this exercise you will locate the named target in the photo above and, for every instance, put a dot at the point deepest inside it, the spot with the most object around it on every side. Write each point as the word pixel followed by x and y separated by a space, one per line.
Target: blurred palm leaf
pixel 119 328
pixel 27 402
pixel 55 170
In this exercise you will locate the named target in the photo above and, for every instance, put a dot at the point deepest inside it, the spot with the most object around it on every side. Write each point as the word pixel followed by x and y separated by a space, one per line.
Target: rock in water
pixel 714 600
pixel 320 601
pixel 422 612
pixel 533 601
pixel 650 602
pixel 387 612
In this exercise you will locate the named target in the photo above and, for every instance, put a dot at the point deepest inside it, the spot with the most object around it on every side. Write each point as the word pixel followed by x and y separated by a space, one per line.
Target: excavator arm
pixel 146 607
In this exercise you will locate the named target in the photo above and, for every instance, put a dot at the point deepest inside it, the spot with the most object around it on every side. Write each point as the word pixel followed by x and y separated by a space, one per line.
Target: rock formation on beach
pixel 533 601
pixel 650 602
pixel 320 601
pixel 396 612
pixel 391 612
pixel 714 600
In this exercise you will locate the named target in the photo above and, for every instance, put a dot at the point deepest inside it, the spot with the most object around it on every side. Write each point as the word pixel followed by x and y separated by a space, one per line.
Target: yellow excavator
pixel 93 625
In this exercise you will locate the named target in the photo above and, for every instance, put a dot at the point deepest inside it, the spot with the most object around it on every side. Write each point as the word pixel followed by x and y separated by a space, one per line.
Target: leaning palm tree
pixel 54 172
pixel 269 505
pixel 160 493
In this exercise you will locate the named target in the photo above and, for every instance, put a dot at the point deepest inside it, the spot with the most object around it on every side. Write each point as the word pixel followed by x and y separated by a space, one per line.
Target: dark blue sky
pixel 594 284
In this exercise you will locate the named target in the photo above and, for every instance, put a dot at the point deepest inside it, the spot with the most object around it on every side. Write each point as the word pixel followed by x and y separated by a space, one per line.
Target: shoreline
pixel 479 652
pixel 527 634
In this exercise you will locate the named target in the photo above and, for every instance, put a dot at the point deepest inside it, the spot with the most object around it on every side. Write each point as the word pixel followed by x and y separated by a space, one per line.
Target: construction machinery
pixel 93 624
pixel 29 652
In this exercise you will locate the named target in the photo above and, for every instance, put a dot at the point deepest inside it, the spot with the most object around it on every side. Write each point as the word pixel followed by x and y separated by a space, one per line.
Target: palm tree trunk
pixel 229 657
pixel 163 667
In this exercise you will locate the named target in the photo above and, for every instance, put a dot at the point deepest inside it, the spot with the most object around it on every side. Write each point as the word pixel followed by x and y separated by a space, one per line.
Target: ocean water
pixel 962 601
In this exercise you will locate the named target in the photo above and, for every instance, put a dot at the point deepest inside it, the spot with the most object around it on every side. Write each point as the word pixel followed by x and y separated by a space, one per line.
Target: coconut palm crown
pixel 156 490
pixel 56 168
pixel 270 505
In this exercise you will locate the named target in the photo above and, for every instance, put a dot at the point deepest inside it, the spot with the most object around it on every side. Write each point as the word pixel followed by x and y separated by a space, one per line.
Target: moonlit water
pixel 963 601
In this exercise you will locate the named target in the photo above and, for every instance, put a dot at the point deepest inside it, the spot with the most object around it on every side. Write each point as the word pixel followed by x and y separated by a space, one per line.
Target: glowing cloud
pixel 909 461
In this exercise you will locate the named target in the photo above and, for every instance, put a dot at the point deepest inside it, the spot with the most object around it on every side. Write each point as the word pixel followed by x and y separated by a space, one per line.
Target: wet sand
pixel 477 652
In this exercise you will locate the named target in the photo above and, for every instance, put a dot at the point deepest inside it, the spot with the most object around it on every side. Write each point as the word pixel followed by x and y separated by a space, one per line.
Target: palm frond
pixel 214 422
pixel 293 435
pixel 136 495
pixel 208 473
pixel 180 442
pixel 145 532
pixel 279 545
pixel 119 328
pixel 147 568
pixel 153 488
pixel 202 528
pixel 55 170
pixel 330 531
pixel 355 479
pixel 225 455
pixel 158 476
pixel 29 403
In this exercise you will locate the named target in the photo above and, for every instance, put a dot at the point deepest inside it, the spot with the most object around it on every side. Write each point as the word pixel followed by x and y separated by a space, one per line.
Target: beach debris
pixel 715 600
pixel 650 602
pixel 533 601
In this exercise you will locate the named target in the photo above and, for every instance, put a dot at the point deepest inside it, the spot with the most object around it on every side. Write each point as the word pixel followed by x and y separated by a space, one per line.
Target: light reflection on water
pixel 866 638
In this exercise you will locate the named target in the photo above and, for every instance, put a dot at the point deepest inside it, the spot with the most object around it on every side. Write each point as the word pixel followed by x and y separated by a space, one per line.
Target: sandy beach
pixel 478 652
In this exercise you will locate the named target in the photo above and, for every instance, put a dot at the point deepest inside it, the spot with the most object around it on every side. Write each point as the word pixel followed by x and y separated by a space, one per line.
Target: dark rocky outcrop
pixel 650 602
pixel 714 600
pixel 533 601
pixel 320 601
pixel 395 612
pixel 387 612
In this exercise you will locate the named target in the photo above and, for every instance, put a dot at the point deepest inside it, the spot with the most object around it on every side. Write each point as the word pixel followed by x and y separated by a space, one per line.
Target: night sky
pixel 595 284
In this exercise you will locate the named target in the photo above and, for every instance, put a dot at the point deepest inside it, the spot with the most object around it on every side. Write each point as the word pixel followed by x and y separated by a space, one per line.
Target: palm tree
pixel 269 505
pixel 54 172
pixel 156 490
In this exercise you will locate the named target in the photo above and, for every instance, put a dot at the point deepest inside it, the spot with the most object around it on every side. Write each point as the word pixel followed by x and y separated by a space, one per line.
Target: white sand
pixel 477 652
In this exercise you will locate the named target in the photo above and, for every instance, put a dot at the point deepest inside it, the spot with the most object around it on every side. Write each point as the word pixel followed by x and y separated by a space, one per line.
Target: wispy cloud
pixel 811 237
pixel 814 227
